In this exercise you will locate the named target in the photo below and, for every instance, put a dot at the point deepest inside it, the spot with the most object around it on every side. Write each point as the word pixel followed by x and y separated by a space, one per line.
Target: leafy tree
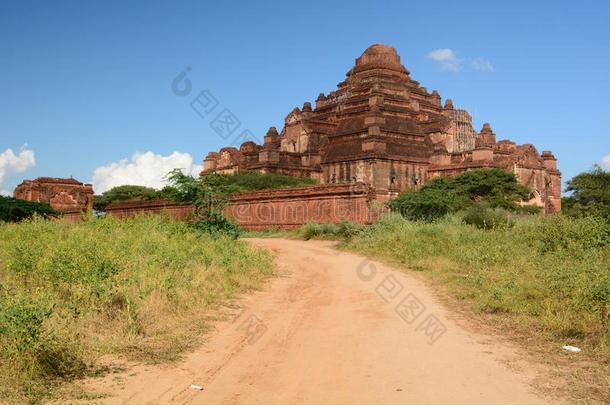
pixel 427 204
pixel 493 188
pixel 208 199
pixel 251 181
pixel 13 210
pixel 124 193
pixel 211 192
pixel 590 194
pixel 496 187
pixel 168 193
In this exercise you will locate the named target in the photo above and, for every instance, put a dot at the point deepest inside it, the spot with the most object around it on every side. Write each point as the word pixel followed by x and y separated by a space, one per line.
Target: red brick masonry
pixel 130 209
pixel 290 208
pixel 64 195
pixel 280 208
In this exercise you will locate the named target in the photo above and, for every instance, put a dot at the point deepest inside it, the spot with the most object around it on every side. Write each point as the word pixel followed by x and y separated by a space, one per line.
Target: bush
pixel 13 210
pixel 574 236
pixel 343 229
pixel 442 196
pixel 218 224
pixel 483 217
pixel 427 205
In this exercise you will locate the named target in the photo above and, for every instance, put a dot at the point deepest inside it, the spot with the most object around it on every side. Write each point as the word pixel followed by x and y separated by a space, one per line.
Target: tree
pixel 493 188
pixel 496 187
pixel 212 191
pixel 590 194
pixel 209 199
pixel 124 193
pixel 13 210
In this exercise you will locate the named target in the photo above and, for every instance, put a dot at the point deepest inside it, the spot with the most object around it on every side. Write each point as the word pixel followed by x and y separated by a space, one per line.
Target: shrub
pixel 13 210
pixel 343 229
pixel 483 217
pixel 427 204
pixel 572 235
pixel 442 196
pixel 348 230
pixel 215 223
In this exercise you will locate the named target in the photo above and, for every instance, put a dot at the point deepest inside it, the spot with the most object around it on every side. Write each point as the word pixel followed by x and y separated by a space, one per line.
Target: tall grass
pixel 551 275
pixel 343 229
pixel 139 288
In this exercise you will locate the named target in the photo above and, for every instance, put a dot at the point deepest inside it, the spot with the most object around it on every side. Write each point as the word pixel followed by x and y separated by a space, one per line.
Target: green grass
pixel 545 280
pixel 136 288
pixel 552 273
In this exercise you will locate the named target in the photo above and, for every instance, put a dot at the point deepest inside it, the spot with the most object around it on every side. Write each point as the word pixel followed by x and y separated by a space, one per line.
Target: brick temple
pixel 384 131
pixel 67 196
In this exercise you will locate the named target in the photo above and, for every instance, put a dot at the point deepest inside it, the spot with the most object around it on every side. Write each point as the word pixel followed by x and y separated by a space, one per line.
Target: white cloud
pixel 11 163
pixel 482 65
pixel 605 162
pixel 143 169
pixel 447 58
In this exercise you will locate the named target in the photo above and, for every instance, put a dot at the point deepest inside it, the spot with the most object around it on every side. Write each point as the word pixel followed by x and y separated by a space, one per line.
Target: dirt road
pixel 335 328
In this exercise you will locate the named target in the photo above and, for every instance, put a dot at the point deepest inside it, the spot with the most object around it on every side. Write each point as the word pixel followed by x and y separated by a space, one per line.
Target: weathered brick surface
pixel 72 216
pixel 64 195
pixel 129 209
pixel 279 208
pixel 290 208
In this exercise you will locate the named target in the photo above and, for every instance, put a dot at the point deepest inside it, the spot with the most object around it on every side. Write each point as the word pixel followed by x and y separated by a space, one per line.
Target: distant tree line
pixel 182 188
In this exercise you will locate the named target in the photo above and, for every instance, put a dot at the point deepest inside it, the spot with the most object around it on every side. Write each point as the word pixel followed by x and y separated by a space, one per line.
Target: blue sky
pixel 86 85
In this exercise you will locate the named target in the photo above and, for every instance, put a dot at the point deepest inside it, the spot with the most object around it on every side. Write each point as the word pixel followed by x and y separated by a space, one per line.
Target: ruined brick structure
pixel 384 129
pixel 68 196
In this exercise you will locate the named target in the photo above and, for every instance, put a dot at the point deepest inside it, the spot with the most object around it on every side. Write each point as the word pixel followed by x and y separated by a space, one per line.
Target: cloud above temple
pixel 447 58
pixel 482 65
pixel 143 169
pixel 11 163
pixel 605 162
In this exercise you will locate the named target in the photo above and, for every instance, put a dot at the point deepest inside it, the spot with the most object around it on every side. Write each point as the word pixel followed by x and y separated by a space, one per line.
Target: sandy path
pixel 335 328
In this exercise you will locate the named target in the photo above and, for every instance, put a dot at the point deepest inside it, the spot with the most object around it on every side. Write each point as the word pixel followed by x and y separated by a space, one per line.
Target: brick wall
pixel 74 216
pixel 280 208
pixel 290 208
pixel 130 209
